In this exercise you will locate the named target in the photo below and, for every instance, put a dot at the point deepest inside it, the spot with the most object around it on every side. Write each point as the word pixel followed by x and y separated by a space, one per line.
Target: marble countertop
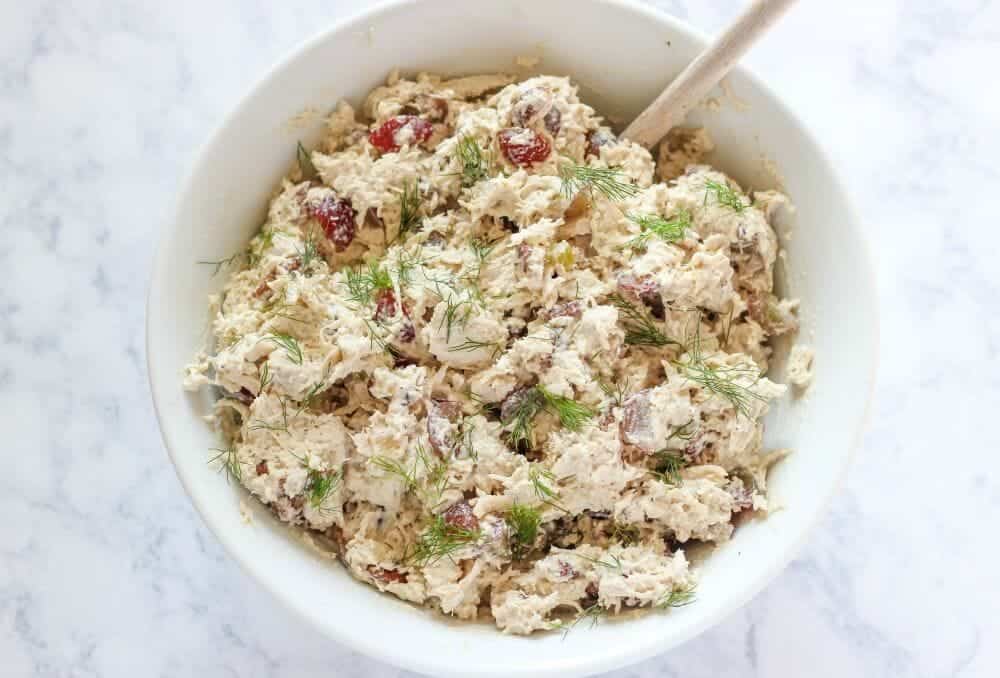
pixel 106 570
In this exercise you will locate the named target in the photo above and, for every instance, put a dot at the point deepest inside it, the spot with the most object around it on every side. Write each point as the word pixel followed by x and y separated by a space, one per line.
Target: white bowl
pixel 621 54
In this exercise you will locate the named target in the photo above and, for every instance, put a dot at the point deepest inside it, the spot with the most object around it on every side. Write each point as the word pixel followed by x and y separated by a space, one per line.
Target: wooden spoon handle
pixel 702 74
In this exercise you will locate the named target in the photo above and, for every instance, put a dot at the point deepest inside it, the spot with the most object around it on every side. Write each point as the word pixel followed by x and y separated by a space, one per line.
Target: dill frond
pixel 225 263
pixel 523 522
pixel 306 166
pixel 640 330
pixel 677 598
pixel 229 462
pixel 667 466
pixel 260 424
pixel 473 344
pixel 615 563
pixel 476 163
pixel 615 391
pixel 319 486
pixel 264 376
pixel 724 195
pixel 650 225
pixel 519 421
pixel 572 415
pixel 435 475
pixel 626 535
pixel 604 180
pixel 291 345
pixel 540 479
pixel 594 614
pixel 409 208
pixel 309 252
pixel 364 280
pixel 395 468
pixel 440 540
pixel 406 263
pixel 722 380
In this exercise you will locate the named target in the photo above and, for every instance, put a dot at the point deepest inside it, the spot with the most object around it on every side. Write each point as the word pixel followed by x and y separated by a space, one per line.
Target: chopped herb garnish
pixel 677 598
pixel 435 480
pixel 667 466
pixel 604 180
pixel 364 280
pixel 264 376
pixel 225 263
pixel 476 163
pixel 595 613
pixel 615 391
pixel 291 345
pixel 229 462
pixel 309 253
pixel 523 522
pixel 541 478
pixel 721 380
pixel 320 485
pixel 441 539
pixel 725 195
pixel 615 562
pixel 640 330
pixel 306 166
pixel 650 225
pixel 572 415
pixel 409 208
pixel 474 345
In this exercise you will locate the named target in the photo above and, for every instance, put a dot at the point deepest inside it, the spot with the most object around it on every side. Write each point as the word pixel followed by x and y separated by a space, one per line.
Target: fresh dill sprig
pixel 522 522
pixel 364 280
pixel 260 424
pixel 463 438
pixel 476 163
pixel 473 345
pixel 615 564
pixel 306 166
pixel 594 614
pixel 395 468
pixel 309 253
pixel 572 415
pixel 264 376
pixel 540 479
pixel 229 461
pixel 225 263
pixel 291 345
pixel 319 486
pixel 409 208
pixel 604 180
pixel 640 330
pixel 626 535
pixel 721 380
pixel 667 466
pixel 441 539
pixel 615 391
pixel 650 225
pixel 435 475
pixel 519 421
pixel 406 263
pixel 724 195
pixel 677 597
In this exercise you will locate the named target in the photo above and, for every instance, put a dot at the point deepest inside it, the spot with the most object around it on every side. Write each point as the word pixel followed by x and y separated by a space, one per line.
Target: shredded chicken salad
pixel 496 360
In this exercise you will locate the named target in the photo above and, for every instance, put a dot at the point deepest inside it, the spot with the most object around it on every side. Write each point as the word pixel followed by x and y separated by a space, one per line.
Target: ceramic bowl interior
pixel 621 55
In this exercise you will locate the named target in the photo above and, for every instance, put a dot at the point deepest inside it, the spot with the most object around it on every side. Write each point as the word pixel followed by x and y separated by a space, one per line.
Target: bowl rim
pixel 609 657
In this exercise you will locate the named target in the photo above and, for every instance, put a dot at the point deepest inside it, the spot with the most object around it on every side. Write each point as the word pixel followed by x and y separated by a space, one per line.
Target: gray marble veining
pixel 106 571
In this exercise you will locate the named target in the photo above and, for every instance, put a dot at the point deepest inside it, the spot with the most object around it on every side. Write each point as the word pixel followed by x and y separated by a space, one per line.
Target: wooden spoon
pixel 704 73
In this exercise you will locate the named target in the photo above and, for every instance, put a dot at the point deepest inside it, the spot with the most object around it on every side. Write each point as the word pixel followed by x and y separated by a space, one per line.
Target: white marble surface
pixel 106 570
